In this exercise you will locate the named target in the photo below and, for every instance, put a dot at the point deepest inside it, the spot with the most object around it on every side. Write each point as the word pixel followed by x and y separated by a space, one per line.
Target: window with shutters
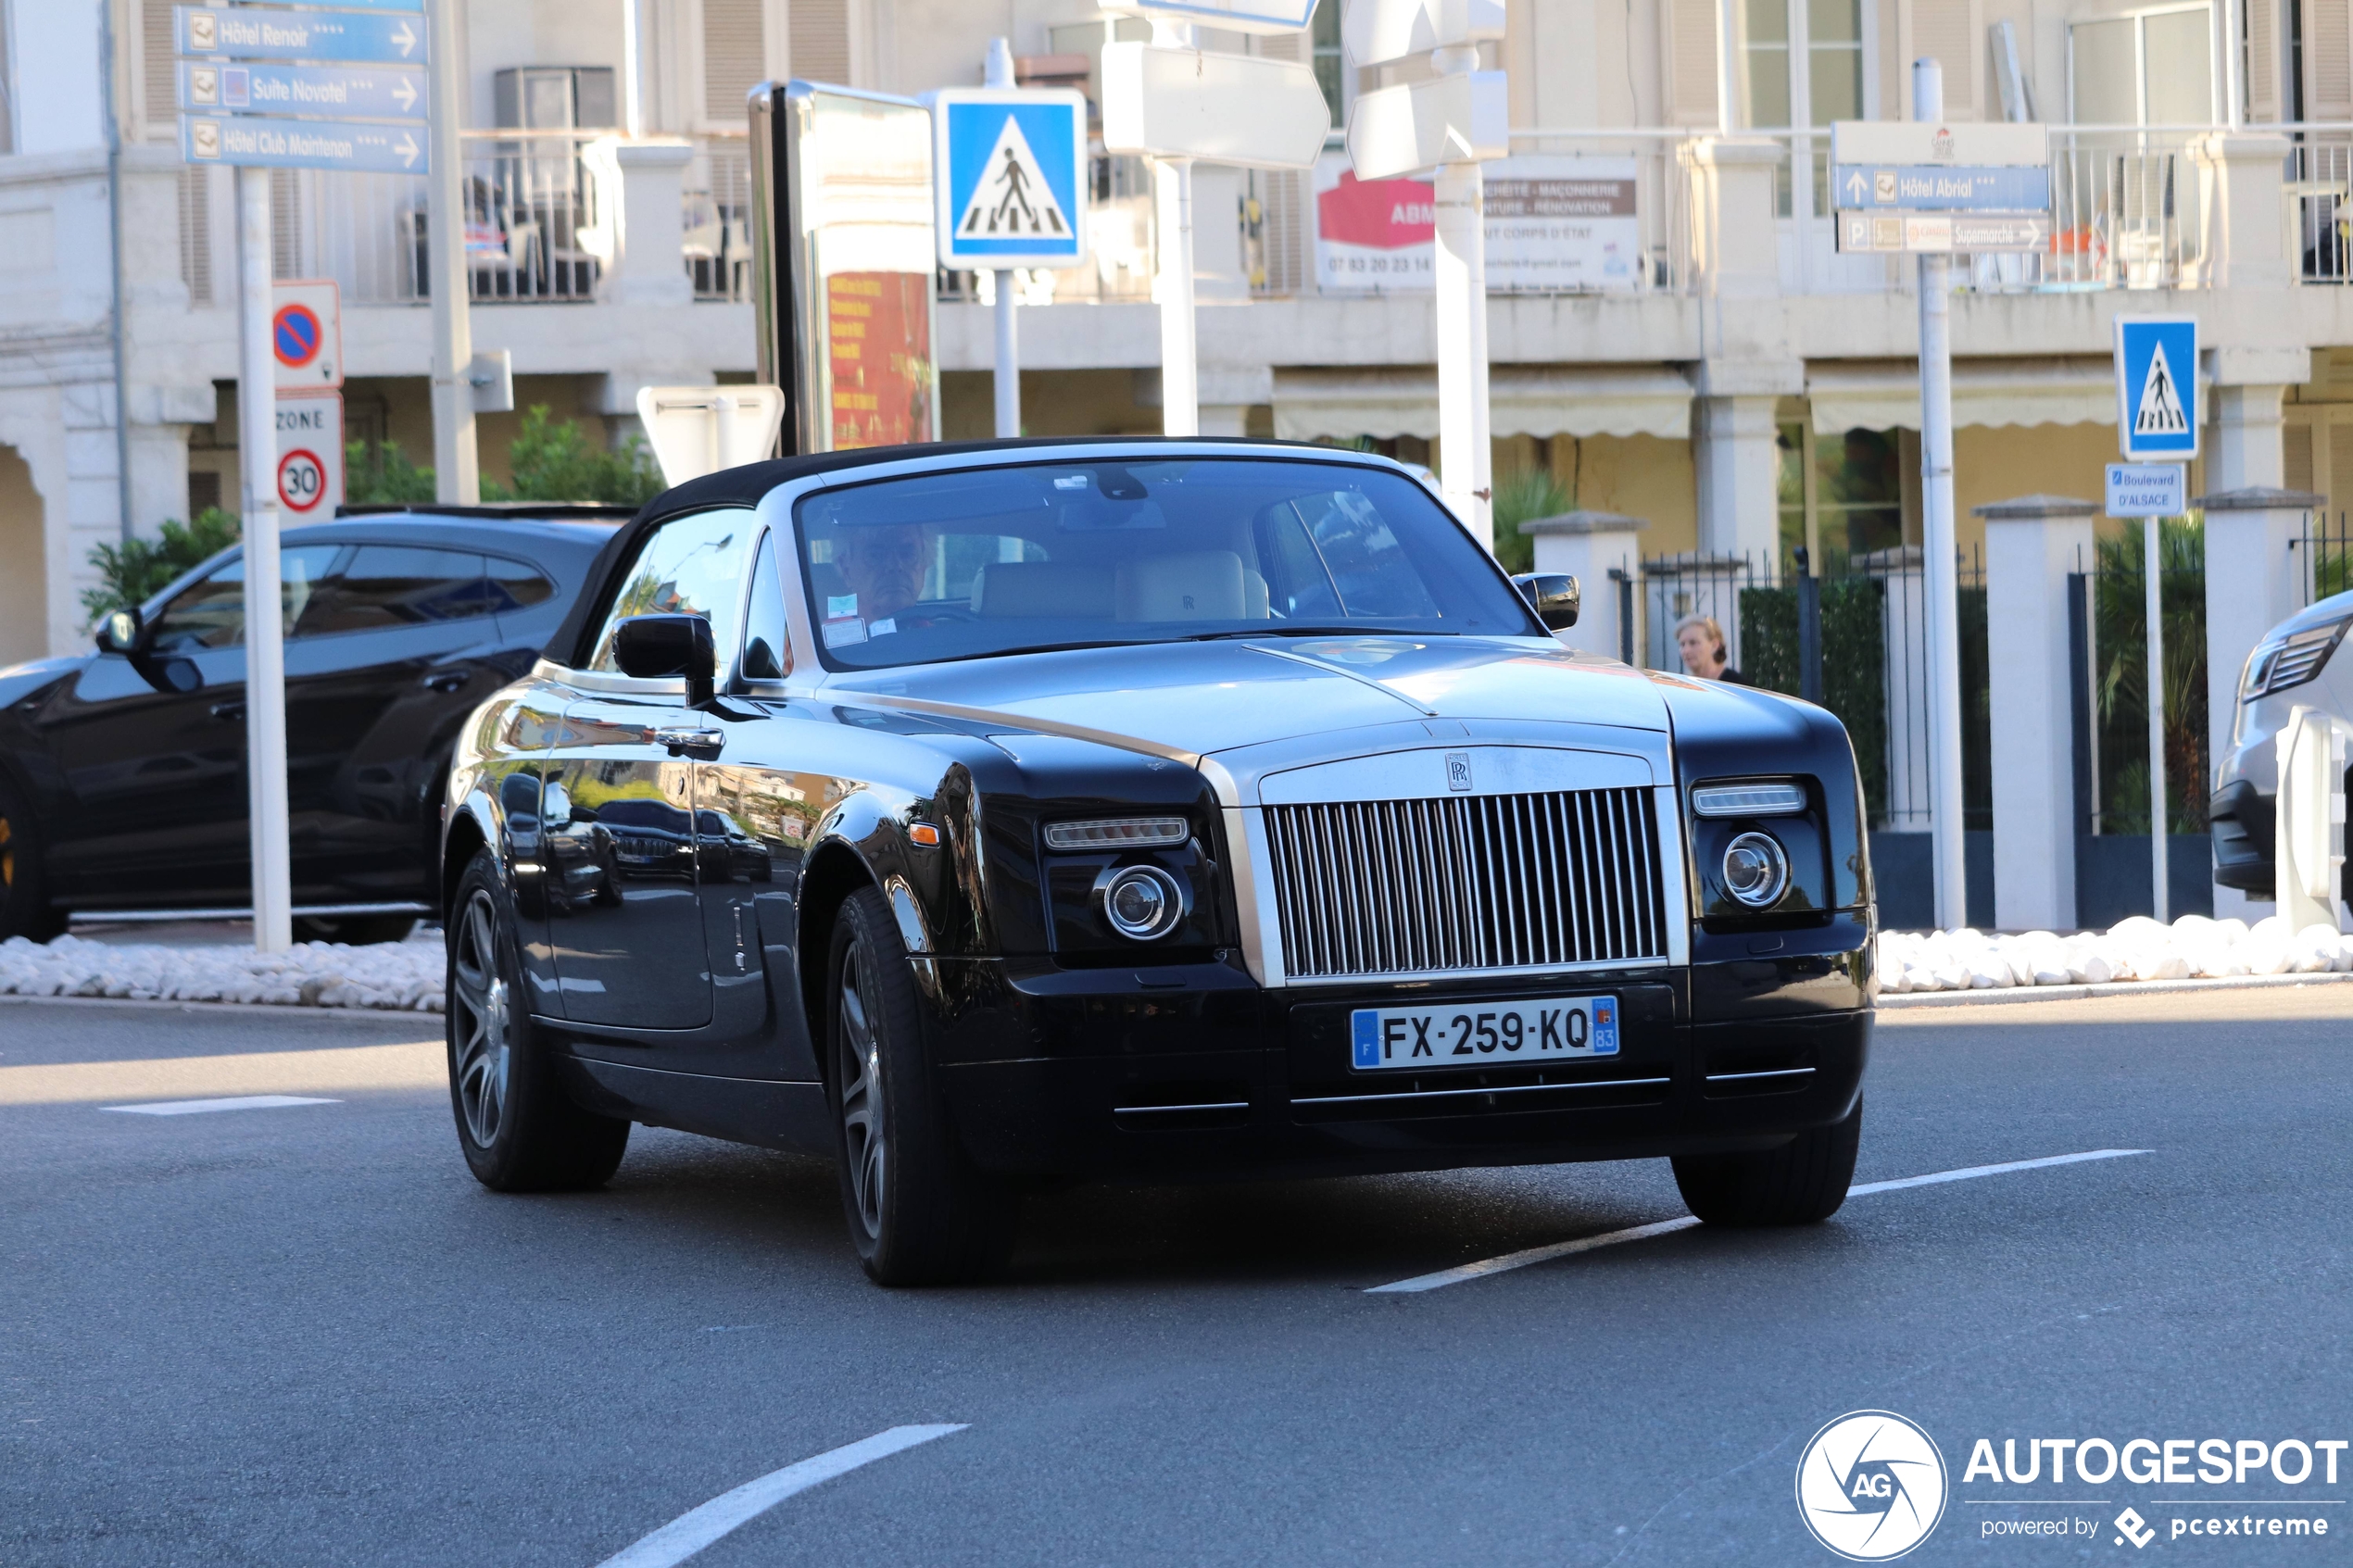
pixel 159 87
pixel 2153 69
pixel 2262 53
pixel 2326 51
pixel 735 54
pixel 1689 54
pixel 821 41
pixel 1950 32
pixel 195 233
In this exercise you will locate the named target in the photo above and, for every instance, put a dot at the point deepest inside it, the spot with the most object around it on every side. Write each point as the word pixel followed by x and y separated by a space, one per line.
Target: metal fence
pixel 1855 639
pixel 2322 549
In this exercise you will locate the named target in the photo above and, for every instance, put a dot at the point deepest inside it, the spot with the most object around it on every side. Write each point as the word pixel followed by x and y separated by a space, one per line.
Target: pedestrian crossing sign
pixel 2157 397
pixel 1013 177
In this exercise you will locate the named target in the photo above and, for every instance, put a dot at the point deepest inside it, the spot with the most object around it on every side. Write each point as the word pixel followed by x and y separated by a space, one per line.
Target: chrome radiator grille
pixel 1467 883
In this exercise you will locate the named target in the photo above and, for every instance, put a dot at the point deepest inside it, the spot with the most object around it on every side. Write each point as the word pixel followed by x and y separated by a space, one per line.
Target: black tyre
pixel 1802 1183
pixel 520 1131
pixel 356 931
pixel 919 1212
pixel 24 900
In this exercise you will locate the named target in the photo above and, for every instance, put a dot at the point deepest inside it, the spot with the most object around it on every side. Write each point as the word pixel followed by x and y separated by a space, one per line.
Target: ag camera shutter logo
pixel 1871 1485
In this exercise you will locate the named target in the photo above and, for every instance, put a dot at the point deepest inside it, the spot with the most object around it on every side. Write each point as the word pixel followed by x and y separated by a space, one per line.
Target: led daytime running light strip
pixel 1118 833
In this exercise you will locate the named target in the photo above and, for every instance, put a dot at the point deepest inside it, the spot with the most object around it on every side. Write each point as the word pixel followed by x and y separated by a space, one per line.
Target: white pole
pixel 1465 451
pixel 456 472
pixel 1000 74
pixel 1180 367
pixel 265 647
pixel 2154 586
pixel 1173 198
pixel 633 67
pixel 1938 554
pixel 1727 66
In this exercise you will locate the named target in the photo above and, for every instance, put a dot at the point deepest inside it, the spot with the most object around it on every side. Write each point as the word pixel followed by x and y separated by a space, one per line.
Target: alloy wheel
pixel 480 1015
pixel 865 1145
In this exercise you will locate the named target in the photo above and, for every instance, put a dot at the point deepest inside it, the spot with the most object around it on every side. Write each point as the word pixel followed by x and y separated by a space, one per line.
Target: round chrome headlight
pixel 1755 870
pixel 1143 903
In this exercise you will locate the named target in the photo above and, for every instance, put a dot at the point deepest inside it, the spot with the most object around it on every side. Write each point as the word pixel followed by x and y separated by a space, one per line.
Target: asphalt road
pixel 303 1335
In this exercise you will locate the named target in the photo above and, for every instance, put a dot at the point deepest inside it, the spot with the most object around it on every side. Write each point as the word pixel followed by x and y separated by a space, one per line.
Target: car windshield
pixel 993 560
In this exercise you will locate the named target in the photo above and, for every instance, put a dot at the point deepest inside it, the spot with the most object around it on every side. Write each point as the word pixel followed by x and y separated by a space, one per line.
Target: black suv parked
pixel 122 772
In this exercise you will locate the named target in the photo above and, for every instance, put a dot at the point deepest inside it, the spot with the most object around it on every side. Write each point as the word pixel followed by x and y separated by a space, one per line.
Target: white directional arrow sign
pixel 1231 16
pixel 1242 109
pixel 406 37
pixel 405 93
pixel 1461 118
pixel 1375 30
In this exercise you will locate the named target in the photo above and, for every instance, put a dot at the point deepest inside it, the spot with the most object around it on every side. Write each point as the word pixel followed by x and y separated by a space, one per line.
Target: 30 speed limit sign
pixel 309 455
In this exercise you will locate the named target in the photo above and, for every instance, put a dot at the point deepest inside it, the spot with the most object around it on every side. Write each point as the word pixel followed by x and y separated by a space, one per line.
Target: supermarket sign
pixel 1555 225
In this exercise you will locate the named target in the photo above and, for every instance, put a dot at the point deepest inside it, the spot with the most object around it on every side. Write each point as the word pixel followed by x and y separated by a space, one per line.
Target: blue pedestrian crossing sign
pixel 1012 177
pixel 2157 400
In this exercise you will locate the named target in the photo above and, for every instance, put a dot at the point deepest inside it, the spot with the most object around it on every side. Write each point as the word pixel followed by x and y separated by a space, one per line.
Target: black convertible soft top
pixel 748 485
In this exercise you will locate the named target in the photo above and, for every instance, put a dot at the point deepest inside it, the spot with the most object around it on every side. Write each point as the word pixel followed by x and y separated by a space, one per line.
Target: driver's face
pixel 885 568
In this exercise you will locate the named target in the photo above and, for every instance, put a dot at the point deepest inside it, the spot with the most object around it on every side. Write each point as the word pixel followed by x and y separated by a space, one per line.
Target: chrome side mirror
pixel 121 632
pixel 1554 598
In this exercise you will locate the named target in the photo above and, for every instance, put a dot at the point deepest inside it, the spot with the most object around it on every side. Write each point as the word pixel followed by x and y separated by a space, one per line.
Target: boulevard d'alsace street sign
pixel 1914 186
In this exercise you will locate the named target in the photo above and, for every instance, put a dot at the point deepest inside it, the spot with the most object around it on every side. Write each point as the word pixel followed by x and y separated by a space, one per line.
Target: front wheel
pixel 1802 1183
pixel 519 1129
pixel 24 901
pixel 919 1212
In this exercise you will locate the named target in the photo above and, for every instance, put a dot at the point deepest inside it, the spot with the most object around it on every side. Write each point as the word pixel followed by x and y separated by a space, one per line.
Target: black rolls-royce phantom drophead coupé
pixel 1145 808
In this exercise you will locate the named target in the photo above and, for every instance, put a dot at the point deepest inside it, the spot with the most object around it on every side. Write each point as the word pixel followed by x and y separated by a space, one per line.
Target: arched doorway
pixel 24 574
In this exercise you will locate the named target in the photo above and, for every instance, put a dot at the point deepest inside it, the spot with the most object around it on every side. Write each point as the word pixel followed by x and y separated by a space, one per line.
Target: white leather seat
pixel 1190 585
pixel 1007 590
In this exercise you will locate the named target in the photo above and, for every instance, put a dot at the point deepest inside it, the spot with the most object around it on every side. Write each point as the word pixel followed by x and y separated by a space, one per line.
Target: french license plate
pixel 1482 1034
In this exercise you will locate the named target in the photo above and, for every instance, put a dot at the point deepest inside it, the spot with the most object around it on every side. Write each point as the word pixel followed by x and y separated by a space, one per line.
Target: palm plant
pixel 2119 677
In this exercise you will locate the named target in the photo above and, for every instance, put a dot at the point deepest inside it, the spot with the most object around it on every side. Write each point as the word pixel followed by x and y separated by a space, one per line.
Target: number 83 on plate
pixel 1482 1034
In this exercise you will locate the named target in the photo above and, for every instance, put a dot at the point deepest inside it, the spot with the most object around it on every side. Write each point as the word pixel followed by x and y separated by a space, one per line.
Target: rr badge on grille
pixel 1458 775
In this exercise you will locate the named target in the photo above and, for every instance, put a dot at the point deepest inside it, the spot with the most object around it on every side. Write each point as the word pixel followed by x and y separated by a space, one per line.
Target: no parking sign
pixel 310 457
pixel 306 336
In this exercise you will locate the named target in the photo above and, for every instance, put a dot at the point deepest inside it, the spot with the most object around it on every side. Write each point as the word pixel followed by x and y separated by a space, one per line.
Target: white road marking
pixel 689 1533
pixel 1511 1260
pixel 1970 1172
pixel 200 1107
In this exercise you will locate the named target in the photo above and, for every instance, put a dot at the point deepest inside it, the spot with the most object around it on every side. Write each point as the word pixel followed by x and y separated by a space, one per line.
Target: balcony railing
pixel 2130 211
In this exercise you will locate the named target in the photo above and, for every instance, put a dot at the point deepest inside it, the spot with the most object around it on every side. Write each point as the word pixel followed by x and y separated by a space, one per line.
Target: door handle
pixel 229 713
pixel 450 682
pixel 700 743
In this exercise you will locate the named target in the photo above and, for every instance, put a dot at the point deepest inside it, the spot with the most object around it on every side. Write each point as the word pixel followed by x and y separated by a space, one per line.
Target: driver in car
pixel 885 568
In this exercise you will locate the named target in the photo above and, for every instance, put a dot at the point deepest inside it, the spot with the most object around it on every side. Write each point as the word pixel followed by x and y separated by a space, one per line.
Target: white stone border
pixel 1996 993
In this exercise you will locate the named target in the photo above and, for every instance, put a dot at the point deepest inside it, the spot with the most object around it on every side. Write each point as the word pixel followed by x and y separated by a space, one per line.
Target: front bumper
pixel 2240 818
pixel 1197 1072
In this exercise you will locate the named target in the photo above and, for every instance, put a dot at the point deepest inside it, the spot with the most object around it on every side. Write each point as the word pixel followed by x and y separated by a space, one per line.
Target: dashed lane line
pixel 1521 1259
pixel 689 1533
pixel 203 1107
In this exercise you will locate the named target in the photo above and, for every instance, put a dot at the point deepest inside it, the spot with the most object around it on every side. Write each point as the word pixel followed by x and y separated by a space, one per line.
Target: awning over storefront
pixel 1523 400
pixel 1884 395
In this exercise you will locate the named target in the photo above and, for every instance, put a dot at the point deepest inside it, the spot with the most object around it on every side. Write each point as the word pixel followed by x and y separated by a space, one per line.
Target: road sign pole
pixel 457 471
pixel 1939 553
pixel 999 73
pixel 1459 277
pixel 1180 370
pixel 2154 588
pixel 265 635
